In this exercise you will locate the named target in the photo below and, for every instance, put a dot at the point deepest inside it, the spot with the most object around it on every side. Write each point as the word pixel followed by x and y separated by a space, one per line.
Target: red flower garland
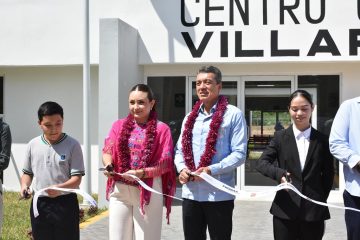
pixel 211 139
pixel 123 159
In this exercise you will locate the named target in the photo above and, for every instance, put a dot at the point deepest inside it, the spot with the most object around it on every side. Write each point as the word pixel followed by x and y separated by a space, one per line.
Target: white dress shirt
pixel 345 142
pixel 302 141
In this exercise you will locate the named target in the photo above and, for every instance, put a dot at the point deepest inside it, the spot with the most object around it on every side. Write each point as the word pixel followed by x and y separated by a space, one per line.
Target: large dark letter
pixel 183 18
pixel 244 13
pixel 330 46
pixel 322 13
pixel 265 12
pixel 224 51
pixel 207 17
pixel 239 52
pixel 196 53
pixel 358 8
pixel 284 8
pixel 354 42
pixel 276 52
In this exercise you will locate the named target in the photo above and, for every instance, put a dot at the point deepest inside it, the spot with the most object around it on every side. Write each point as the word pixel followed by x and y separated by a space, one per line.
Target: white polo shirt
pixel 51 164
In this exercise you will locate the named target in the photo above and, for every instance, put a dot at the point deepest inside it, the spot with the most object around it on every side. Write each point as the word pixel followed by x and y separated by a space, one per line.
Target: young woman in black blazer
pixel 299 154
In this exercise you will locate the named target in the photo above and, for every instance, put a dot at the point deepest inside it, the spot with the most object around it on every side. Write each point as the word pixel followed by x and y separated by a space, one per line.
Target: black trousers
pixel 352 218
pixel 216 216
pixel 58 218
pixel 297 229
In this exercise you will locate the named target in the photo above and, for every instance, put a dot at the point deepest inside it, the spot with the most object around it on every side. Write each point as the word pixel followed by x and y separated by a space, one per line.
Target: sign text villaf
pixel 219 23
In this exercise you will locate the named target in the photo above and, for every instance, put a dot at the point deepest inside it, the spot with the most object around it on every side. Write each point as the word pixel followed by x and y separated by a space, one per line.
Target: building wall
pixel 118 72
pixel 51 33
pixel 42 32
pixel 26 88
pixel 41 46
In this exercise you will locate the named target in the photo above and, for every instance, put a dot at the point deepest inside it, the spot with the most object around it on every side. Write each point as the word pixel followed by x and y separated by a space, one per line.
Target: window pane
pixel 265 112
pixel 170 101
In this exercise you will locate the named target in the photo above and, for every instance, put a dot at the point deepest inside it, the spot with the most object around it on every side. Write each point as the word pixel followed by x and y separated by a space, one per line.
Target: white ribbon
pixel 145 186
pixel 241 193
pixel 42 192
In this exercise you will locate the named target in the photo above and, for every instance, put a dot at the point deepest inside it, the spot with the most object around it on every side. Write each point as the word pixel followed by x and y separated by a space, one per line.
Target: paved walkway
pixel 251 221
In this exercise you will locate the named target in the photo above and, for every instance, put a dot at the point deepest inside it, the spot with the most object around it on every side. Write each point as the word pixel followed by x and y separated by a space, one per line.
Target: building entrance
pixel 265 112
pixel 264 102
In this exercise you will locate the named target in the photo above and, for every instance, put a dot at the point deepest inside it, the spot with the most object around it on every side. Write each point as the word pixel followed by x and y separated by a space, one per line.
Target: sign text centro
pixel 276 28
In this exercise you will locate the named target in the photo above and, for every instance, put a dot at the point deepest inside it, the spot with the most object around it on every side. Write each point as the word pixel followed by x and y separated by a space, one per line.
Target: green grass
pixel 17 216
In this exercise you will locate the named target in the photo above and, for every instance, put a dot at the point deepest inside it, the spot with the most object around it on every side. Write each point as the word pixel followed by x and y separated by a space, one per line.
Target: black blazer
pixel 315 181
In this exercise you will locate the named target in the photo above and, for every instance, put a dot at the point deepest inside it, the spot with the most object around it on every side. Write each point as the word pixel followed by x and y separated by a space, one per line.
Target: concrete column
pixel 118 72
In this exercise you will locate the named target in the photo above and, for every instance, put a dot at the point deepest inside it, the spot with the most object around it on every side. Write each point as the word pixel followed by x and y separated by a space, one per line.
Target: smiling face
pixel 300 110
pixel 140 105
pixel 52 126
pixel 207 89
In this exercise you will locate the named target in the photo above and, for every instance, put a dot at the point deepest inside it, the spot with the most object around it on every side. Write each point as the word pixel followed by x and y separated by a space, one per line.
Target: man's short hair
pixel 50 108
pixel 212 69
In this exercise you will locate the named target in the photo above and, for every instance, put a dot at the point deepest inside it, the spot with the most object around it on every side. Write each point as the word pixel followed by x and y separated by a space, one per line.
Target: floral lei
pixel 211 139
pixel 123 163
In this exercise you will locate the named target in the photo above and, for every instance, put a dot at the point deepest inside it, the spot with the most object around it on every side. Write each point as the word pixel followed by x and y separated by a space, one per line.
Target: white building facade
pixel 265 49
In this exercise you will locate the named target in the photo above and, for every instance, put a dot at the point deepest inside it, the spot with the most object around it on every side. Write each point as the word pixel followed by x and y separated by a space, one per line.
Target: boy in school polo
pixel 53 159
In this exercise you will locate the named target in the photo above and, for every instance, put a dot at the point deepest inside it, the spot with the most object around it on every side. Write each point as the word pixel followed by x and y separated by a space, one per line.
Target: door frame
pixel 253 78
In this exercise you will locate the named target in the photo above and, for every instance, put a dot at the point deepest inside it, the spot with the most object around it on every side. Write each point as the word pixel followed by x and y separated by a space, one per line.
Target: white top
pixel 52 164
pixel 302 141
pixel 345 142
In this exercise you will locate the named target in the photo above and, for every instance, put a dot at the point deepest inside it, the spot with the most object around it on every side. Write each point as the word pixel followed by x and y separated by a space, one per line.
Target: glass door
pixel 265 109
pixel 170 101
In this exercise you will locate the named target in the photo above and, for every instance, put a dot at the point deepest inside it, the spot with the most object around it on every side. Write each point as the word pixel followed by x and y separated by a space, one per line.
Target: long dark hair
pixel 301 93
